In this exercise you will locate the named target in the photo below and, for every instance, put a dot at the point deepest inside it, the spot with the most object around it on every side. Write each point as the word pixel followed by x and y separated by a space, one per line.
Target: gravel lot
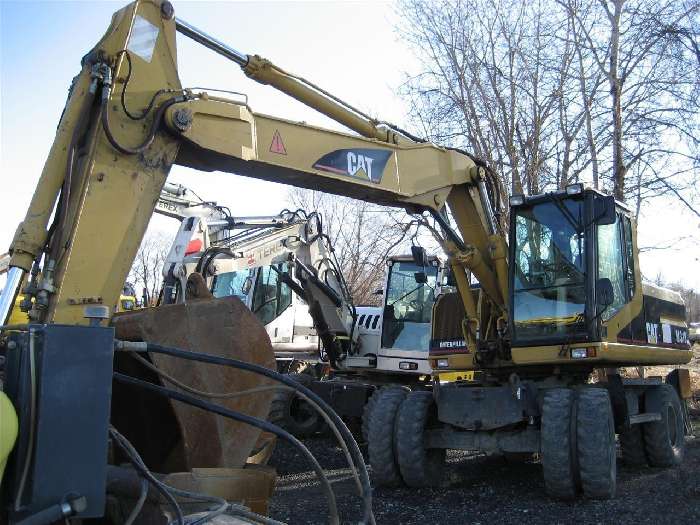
pixel 487 490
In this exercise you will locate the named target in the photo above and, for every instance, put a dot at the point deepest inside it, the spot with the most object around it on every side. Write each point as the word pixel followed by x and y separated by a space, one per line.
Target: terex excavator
pixel 284 269
pixel 558 298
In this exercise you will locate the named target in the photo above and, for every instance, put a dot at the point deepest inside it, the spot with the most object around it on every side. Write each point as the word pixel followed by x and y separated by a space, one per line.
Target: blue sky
pixel 349 48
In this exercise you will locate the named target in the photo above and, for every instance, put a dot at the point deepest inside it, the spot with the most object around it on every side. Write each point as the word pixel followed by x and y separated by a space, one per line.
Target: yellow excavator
pixel 536 311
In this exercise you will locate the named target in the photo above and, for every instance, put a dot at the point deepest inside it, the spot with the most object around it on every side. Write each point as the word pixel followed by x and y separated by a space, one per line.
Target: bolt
pixel 167 11
pixel 182 119
pixel 100 177
pixel 11 345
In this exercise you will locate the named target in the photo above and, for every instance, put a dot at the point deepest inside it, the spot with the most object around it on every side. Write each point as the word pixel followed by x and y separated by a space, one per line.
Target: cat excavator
pixel 536 311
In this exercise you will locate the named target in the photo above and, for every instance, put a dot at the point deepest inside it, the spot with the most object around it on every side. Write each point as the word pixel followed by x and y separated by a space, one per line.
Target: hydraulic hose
pixel 368 517
pixel 237 416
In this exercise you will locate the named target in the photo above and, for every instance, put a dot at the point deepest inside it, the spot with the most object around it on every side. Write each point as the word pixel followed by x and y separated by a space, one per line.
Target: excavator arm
pixel 128 120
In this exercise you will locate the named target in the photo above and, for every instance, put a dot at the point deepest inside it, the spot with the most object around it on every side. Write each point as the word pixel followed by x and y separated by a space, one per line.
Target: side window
pixel 265 298
pixel 229 283
pixel 629 252
pixel 271 296
pixel 610 264
pixel 285 292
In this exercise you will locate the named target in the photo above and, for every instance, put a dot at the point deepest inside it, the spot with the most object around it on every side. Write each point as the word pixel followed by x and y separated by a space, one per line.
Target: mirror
pixel 604 293
pixel 421 277
pixel 247 285
pixel 604 209
pixel 419 255
pixel 379 292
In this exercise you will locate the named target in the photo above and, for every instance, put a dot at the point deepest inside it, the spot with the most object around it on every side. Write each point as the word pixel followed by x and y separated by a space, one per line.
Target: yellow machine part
pixel 17 316
pixel 126 303
pixel 8 430
pixel 450 377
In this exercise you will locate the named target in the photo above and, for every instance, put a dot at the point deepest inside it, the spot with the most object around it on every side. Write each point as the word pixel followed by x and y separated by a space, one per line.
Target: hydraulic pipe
pixel 7 298
pixel 210 42
pixel 265 72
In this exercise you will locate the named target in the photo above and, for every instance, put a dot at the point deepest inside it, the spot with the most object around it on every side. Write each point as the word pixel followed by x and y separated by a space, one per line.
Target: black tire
pixel 632 447
pixel 632 439
pixel 420 467
pixel 369 407
pixel 558 462
pixel 595 443
pixel 380 442
pixel 294 414
pixel 664 440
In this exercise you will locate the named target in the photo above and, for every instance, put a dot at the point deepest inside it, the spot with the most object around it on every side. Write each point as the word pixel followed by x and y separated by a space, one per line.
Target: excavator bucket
pixel 174 437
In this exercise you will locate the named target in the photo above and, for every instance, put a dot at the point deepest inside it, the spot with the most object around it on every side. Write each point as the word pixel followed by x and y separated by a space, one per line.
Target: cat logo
pixel 361 163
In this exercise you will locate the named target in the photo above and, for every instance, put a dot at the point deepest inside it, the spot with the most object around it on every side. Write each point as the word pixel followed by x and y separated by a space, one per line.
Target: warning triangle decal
pixel 277 145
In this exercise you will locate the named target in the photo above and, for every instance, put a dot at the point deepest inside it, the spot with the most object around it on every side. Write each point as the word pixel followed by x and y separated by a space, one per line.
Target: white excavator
pixel 284 269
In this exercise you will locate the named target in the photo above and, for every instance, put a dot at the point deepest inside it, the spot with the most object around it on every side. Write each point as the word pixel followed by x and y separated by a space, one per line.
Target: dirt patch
pixel 488 490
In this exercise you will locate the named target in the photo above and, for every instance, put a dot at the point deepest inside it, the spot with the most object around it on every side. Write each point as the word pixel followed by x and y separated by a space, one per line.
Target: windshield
pixel 409 307
pixel 549 289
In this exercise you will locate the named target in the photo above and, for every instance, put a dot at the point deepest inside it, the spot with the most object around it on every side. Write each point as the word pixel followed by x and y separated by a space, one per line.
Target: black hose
pixel 249 420
pixel 148 109
pixel 145 473
pixel 126 150
pixel 209 255
pixel 79 131
pixel 281 378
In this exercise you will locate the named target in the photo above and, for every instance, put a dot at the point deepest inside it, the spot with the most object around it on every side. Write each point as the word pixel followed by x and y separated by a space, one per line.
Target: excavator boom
pixel 128 163
pixel 122 161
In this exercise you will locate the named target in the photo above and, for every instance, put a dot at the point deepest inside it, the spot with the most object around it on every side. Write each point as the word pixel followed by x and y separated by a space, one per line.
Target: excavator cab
pixel 574 275
pixel 573 266
pixel 409 299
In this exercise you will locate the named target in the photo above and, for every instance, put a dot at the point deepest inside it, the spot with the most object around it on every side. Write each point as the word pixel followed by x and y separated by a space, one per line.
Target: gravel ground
pixel 487 490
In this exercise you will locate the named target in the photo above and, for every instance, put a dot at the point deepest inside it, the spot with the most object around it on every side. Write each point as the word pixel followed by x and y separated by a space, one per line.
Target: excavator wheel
pixel 632 447
pixel 420 466
pixel 380 442
pixel 292 413
pixel 664 440
pixel 369 407
pixel 632 439
pixel 558 462
pixel 595 443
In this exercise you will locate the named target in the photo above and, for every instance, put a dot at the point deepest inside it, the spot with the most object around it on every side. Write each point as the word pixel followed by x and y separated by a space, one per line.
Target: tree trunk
pixel 616 92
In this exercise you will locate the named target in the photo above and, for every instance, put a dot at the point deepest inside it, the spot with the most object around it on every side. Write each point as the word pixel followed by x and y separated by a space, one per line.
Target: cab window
pixel 409 307
pixel 611 264
pixel 230 283
pixel 271 296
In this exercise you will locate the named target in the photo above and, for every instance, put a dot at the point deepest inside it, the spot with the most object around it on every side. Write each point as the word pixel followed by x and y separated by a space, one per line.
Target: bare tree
pixel 647 52
pixel 363 236
pixel 146 271
pixel 554 91
pixel 498 79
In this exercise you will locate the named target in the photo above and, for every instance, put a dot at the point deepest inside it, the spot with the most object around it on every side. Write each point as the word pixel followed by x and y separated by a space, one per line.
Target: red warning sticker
pixel 277 145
